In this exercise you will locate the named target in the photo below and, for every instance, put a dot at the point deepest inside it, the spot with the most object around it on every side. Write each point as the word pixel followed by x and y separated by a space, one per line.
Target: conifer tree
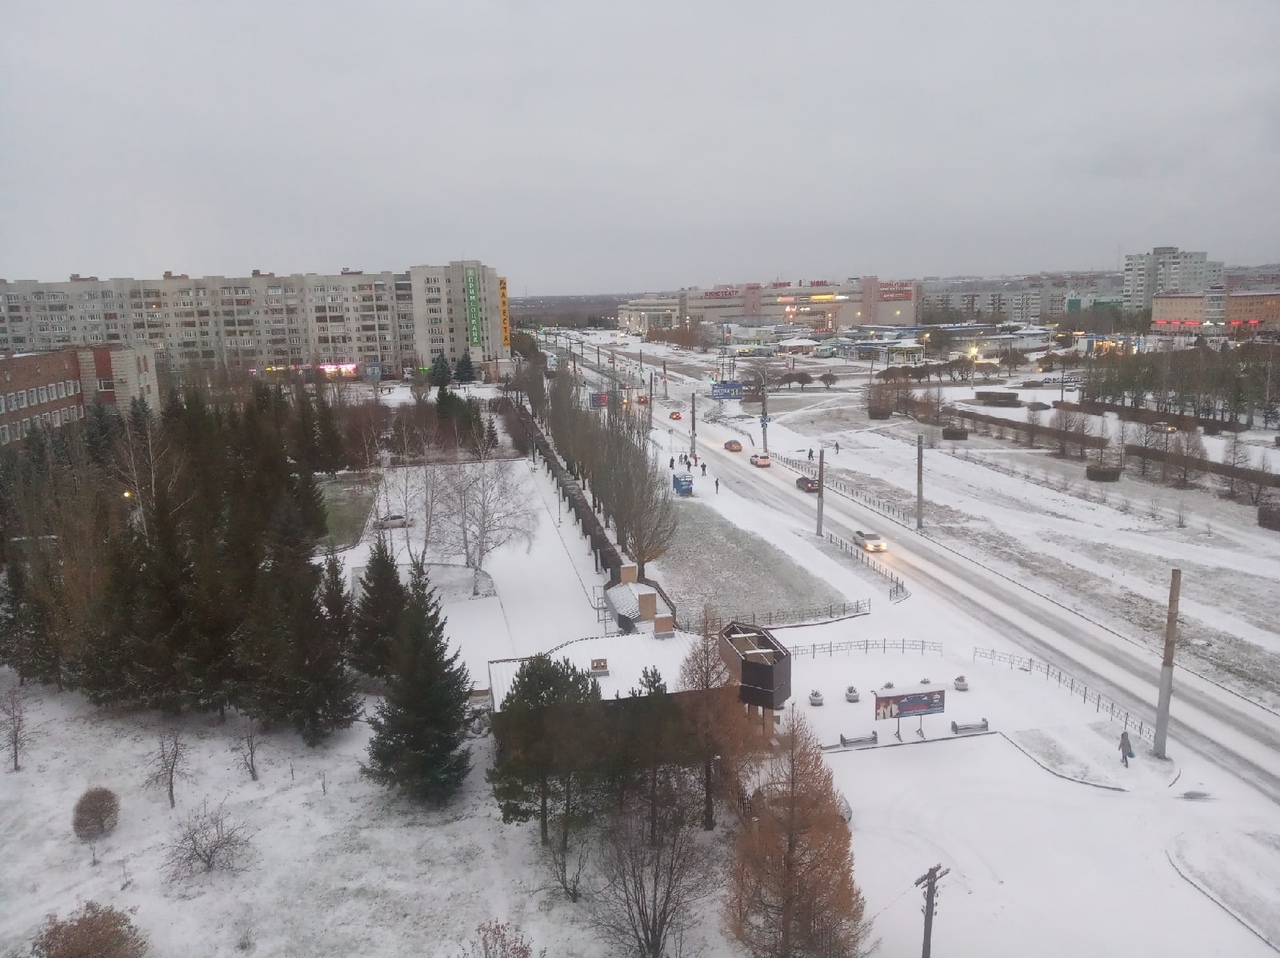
pixel 465 372
pixel 330 454
pixel 417 743
pixel 382 598
pixel 491 434
pixel 440 375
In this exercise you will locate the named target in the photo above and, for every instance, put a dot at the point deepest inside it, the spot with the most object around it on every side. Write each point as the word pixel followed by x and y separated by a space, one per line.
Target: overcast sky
pixel 598 147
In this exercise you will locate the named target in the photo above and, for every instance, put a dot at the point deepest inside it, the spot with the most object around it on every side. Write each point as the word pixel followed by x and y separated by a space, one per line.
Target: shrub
pixel 95 931
pixel 1269 517
pixel 954 432
pixel 1102 473
pixel 208 840
pixel 96 814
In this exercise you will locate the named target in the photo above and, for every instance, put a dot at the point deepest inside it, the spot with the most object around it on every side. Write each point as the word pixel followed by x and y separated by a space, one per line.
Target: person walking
pixel 673 463
pixel 1125 749
pixel 811 455
pixel 717 487
pixel 704 468
pixel 837 448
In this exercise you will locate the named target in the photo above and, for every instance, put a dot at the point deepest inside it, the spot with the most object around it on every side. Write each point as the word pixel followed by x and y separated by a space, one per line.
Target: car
pixel 732 445
pixel 760 459
pixel 674 415
pixel 392 522
pixel 642 400
pixel 807 484
pixel 870 541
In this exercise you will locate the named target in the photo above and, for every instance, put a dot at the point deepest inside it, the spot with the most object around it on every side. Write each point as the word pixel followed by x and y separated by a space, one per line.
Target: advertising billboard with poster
pixel 896 292
pixel 909 704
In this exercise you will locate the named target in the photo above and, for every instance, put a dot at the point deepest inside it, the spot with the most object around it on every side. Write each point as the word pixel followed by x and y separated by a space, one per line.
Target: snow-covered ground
pixel 1054 847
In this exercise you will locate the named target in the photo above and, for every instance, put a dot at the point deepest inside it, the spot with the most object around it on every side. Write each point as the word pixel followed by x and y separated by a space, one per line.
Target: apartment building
pixel 355 321
pixel 1167 269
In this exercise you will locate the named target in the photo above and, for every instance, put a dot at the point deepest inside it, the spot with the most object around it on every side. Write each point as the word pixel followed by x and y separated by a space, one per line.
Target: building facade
pixel 1216 312
pixel 1167 269
pixel 355 321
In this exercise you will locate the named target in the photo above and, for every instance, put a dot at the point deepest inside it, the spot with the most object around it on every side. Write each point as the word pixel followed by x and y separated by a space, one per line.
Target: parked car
pixel 760 459
pixel 675 414
pixel 870 541
pixel 807 484
pixel 733 445
pixel 392 522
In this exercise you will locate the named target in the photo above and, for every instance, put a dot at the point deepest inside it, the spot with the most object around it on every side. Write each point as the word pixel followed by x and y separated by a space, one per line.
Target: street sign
pixel 599 400
pixel 726 390
pixel 764 420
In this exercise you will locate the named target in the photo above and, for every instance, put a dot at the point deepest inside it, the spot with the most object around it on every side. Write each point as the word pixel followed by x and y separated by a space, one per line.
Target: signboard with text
pixel 909 704
pixel 504 311
pixel 471 287
pixel 726 390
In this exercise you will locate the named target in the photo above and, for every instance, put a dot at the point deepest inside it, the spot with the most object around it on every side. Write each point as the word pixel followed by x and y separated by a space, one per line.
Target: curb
pixel 1053 771
pixel 1219 902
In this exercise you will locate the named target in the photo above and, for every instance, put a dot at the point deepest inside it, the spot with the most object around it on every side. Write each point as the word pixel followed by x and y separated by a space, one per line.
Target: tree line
pixel 621 789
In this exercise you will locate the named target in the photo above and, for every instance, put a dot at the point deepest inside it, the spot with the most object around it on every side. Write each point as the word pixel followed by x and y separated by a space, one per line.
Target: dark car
pixel 733 445
pixel 807 484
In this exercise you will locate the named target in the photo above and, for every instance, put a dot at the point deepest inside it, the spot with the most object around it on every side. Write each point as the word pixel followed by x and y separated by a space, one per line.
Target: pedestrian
pixel 1125 749
pixel 811 455
pixel 704 468
pixel 695 458
pixel 673 463
pixel 837 447
pixel 717 487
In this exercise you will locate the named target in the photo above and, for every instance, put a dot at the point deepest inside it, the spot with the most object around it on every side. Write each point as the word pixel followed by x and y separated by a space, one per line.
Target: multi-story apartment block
pixel 385 321
pixel 1167 269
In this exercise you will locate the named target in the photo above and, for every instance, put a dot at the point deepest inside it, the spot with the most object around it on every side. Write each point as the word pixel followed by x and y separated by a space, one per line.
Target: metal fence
pixel 898 592
pixel 850 491
pixel 866 645
pixel 781 617
pixel 1145 728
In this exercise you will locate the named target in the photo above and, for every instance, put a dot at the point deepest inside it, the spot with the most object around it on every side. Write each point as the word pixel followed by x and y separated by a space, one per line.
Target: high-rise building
pixel 1166 269
pixel 356 320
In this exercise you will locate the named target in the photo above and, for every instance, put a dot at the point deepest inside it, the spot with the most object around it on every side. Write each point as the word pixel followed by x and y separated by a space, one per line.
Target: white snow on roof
pixel 798 342
pixel 627 657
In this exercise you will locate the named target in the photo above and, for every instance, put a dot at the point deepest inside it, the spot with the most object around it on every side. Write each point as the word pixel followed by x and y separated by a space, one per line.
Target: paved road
pixel 1230 731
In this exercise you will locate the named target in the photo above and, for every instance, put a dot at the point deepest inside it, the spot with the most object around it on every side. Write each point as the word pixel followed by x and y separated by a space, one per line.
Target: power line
pixel 930 881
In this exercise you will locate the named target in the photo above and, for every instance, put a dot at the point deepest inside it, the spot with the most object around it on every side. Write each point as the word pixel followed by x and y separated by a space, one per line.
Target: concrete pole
pixel 821 487
pixel 764 413
pixel 693 424
pixel 1166 666
pixel 920 481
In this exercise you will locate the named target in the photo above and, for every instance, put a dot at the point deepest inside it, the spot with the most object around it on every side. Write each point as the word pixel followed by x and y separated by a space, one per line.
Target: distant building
pixel 1167 269
pixel 353 321
pixel 1217 311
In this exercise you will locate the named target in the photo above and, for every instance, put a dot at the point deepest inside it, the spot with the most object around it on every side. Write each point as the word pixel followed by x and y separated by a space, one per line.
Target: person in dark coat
pixel 704 468
pixel 1125 749
pixel 673 463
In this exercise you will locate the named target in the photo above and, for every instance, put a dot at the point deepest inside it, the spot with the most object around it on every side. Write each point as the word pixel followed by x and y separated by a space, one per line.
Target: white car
pixel 870 541
pixel 760 459
pixel 392 522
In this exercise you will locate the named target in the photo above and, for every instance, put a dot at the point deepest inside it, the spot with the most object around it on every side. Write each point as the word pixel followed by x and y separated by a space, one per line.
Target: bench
pixel 960 729
pixel 872 739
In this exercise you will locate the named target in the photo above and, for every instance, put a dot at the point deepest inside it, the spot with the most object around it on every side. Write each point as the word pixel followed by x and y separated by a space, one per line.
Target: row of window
pixel 36 395
pixel 56 417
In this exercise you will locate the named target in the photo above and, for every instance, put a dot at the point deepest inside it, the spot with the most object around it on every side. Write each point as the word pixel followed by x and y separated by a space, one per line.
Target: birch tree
pixel 489 511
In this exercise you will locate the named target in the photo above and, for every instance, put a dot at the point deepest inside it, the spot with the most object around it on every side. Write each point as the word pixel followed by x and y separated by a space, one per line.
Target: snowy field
pixel 1054 847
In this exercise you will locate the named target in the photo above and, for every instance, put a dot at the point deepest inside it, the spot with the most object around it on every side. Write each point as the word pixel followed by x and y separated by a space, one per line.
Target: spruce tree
pixel 465 373
pixel 330 454
pixel 441 375
pixel 382 598
pixel 491 434
pixel 417 743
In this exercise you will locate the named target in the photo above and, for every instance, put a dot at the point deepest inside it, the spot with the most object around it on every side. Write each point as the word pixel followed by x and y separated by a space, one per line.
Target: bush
pixel 208 840
pixel 1269 517
pixel 1102 473
pixel 95 931
pixel 954 432
pixel 877 412
pixel 96 814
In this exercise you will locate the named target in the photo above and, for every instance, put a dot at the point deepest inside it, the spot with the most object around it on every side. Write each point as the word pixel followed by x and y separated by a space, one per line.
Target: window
pixel 31 397
pixel 13 402
pixel 4 435
pixel 106 385
pixel 62 390
pixel 1 404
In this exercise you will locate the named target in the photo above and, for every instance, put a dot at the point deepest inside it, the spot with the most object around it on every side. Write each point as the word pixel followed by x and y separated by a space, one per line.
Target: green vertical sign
pixel 475 335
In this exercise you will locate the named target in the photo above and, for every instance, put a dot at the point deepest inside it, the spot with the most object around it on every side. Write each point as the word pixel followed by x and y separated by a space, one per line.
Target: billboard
pixel 506 313
pixel 471 286
pixel 909 704
pixel 896 292
pixel 726 390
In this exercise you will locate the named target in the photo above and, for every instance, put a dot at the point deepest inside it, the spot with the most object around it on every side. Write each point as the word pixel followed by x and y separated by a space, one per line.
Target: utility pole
pixel 821 487
pixel 665 394
pixel 930 881
pixel 693 425
pixel 920 481
pixel 649 405
pixel 764 412
pixel 1166 666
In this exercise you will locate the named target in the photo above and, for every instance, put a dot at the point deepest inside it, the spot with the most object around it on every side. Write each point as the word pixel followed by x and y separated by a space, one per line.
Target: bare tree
pixel 652 884
pixel 168 763
pixel 434 503
pixel 1257 484
pixel 720 733
pixel 489 511
pixel 646 514
pixel 207 840
pixel 1234 456
pixel 1064 421
pixel 1188 444
pixel 1033 426
pixel 13 724
pixel 247 748
pixel 791 889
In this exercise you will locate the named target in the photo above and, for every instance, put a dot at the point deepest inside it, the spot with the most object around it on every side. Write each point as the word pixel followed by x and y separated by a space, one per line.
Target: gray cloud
pixel 580 147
